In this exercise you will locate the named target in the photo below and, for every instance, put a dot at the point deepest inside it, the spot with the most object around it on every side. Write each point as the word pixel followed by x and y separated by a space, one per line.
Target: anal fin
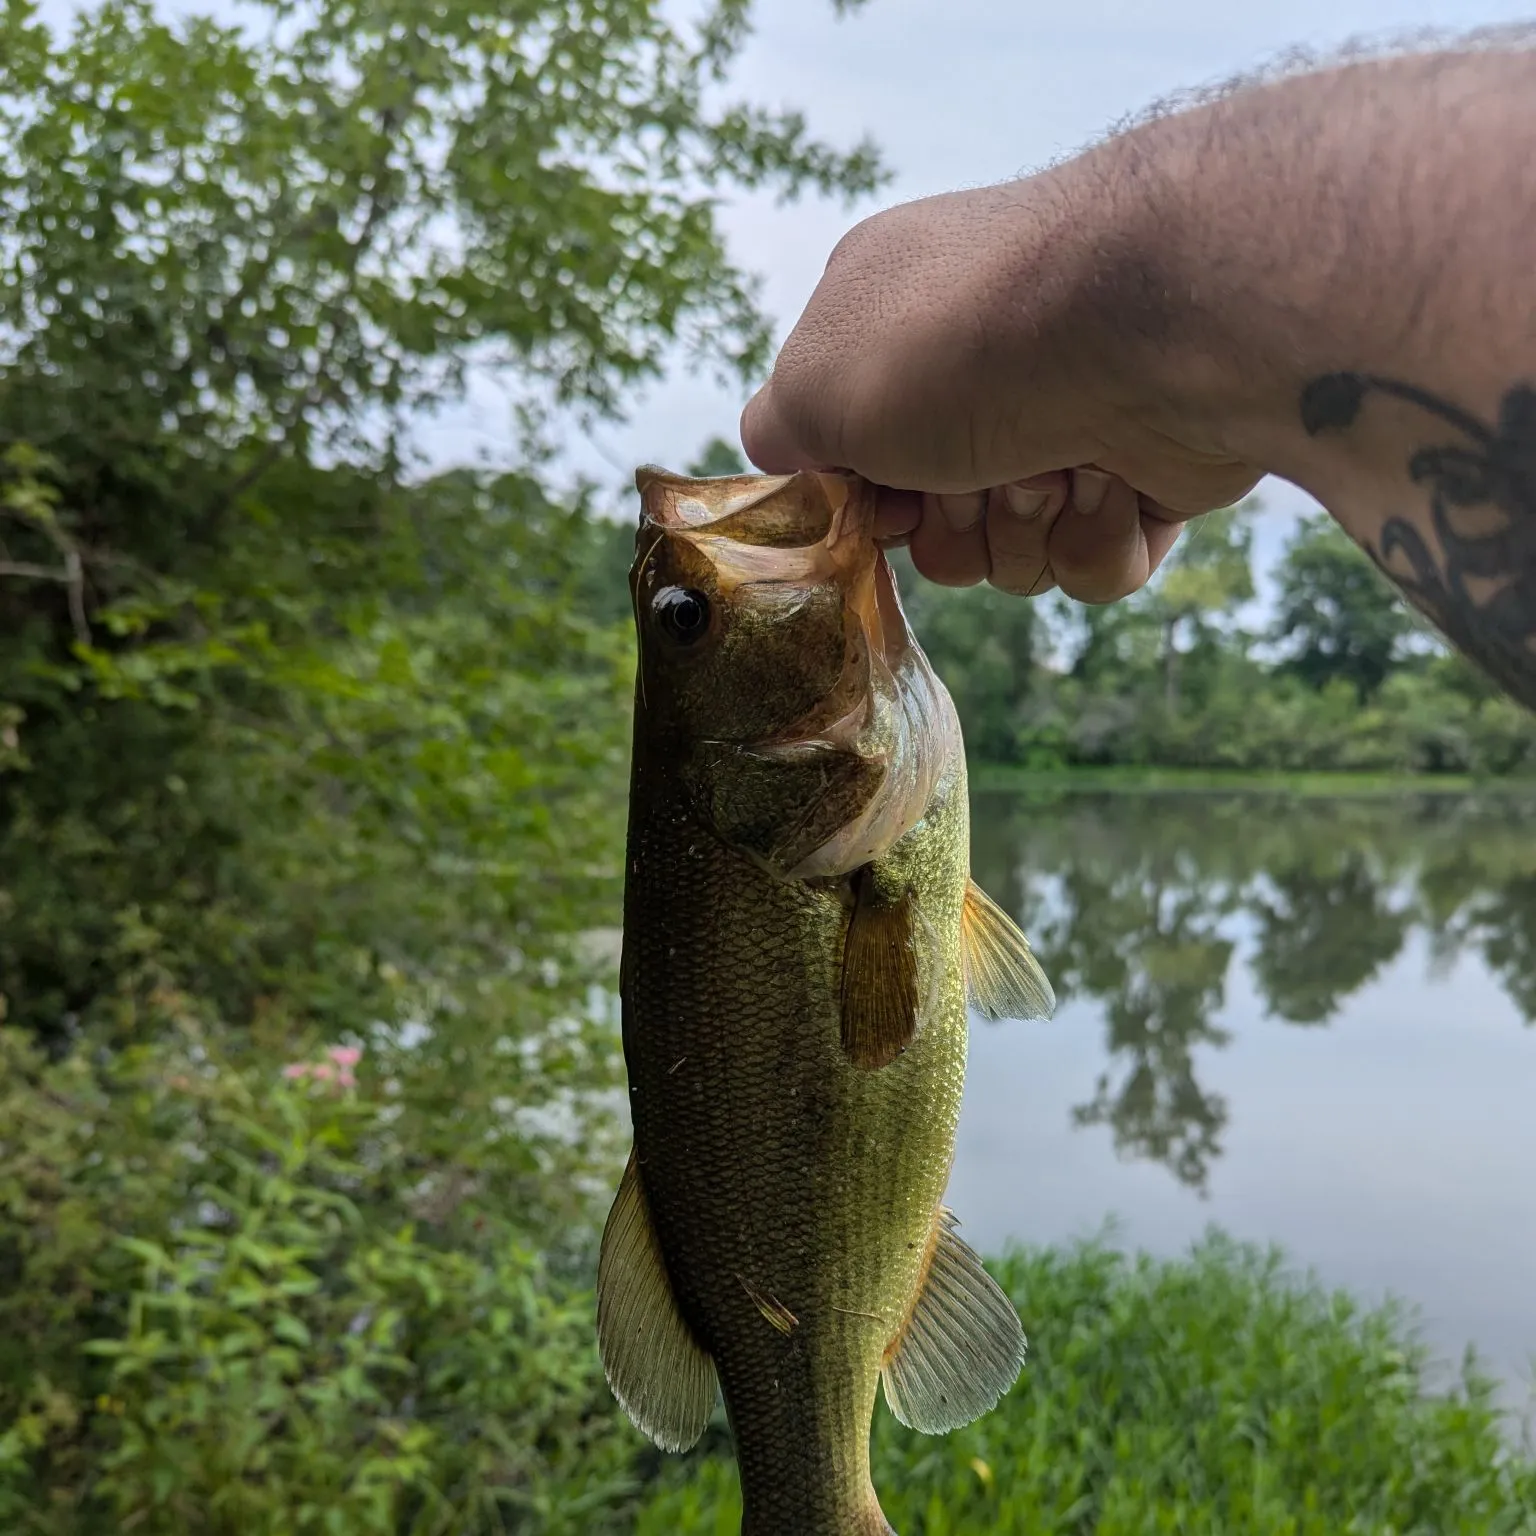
pixel 880 1001
pixel 663 1380
pixel 962 1345
pixel 1002 976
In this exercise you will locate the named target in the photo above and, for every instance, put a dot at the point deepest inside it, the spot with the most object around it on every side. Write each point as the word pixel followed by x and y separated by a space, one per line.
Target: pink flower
pixel 323 1072
pixel 345 1079
pixel 296 1071
pixel 345 1056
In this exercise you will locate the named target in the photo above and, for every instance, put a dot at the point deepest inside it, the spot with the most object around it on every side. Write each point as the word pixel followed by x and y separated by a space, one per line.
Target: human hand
pixel 1005 364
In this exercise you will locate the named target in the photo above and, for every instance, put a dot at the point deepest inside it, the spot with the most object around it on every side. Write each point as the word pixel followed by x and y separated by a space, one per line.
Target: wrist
pixel 1142 295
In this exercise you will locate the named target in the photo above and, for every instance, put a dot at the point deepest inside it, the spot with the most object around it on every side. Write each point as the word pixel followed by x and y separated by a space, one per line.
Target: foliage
pixel 314 788
pixel 1337 616
pixel 718 457
pixel 239 1301
pixel 246 232
pixel 247 735
pixel 1203 1395
pixel 298 754
pixel 338 809
pixel 1206 582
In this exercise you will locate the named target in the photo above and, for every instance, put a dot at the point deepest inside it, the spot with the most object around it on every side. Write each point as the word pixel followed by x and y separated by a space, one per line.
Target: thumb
pixel 769 440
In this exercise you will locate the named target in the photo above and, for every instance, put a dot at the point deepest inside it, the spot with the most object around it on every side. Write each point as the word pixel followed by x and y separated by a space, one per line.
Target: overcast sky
pixel 957 93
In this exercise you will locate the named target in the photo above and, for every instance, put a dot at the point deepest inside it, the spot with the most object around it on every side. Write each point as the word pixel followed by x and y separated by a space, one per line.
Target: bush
pixel 1203 1396
pixel 234 1302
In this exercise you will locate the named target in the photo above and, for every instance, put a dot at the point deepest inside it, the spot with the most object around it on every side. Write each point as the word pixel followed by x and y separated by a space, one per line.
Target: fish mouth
pixel 887 707
pixel 878 639
pixel 771 529
pixel 788 531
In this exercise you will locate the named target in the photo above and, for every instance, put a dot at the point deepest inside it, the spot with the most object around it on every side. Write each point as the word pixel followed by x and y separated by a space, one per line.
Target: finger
pixel 897 514
pixel 770 438
pixel 963 510
pixel 1019 521
pixel 1161 528
pixel 1184 484
pixel 944 555
pixel 1097 549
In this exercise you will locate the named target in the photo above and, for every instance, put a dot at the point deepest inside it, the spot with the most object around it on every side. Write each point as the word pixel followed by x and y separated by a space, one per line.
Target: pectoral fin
pixel 962 1345
pixel 1003 978
pixel 881 1002
pixel 661 1377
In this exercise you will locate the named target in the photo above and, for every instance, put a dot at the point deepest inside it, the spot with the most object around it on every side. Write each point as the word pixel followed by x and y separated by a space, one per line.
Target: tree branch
pixel 29 572
pixel 70 575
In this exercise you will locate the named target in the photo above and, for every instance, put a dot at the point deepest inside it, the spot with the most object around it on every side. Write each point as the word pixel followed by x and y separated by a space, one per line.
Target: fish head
pixel 779 681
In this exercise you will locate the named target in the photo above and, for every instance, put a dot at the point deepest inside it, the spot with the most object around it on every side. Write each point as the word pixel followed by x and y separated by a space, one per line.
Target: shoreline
pixel 996 777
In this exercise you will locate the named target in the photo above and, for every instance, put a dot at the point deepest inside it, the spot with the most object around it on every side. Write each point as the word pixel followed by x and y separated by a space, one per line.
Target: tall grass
pixel 1205 1396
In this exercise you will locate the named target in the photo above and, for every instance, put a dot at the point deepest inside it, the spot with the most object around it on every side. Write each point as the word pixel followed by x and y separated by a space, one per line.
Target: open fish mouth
pixel 788 532
pixel 784 536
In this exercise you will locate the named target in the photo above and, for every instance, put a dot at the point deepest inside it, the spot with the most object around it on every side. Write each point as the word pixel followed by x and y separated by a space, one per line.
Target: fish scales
pixel 782 1208
pixel 769 1158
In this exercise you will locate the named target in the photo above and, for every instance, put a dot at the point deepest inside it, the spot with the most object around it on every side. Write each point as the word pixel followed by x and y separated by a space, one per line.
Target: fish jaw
pixel 908 725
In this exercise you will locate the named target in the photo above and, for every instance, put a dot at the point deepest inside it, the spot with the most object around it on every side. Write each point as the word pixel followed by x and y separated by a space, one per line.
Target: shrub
pixel 233 1302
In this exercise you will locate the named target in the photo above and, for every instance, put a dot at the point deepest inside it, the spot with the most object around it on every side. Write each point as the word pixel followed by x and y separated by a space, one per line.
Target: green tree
pixel 1337 617
pixel 1208 577
pixel 718 457
pixel 224 253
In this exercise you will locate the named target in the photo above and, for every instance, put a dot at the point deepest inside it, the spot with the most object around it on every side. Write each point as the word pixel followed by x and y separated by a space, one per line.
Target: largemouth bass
pixel 800 939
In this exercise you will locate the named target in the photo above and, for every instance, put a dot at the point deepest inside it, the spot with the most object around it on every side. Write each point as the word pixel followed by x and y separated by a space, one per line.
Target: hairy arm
pixel 1331 278
pixel 1361 254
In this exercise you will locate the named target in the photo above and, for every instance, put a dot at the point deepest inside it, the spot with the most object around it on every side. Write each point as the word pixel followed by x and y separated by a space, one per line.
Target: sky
pixel 958 93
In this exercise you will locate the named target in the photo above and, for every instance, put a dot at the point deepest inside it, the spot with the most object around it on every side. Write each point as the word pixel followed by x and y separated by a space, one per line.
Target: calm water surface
pixel 1312 1022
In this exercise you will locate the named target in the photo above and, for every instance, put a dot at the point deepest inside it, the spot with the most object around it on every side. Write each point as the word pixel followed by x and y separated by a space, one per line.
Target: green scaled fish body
pixel 800 938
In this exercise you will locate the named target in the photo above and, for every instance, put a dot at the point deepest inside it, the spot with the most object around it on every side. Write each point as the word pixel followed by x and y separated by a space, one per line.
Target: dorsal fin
pixel 1002 976
pixel 961 1346
pixel 663 1380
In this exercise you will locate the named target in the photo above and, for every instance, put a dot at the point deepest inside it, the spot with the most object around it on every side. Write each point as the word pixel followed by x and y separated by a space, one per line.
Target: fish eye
pixel 683 613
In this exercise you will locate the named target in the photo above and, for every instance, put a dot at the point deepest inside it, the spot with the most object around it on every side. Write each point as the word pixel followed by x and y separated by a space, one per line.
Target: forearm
pixel 1358 252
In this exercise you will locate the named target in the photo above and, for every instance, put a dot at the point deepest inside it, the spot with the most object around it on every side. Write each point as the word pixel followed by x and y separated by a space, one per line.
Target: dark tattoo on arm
pixel 1479 588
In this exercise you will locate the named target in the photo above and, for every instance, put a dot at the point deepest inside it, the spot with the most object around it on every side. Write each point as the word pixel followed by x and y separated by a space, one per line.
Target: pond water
pixel 1308 1021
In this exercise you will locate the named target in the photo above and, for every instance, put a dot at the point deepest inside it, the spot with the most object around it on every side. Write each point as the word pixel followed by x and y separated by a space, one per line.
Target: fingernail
pixel 1089 488
pixel 963 511
pixel 1023 502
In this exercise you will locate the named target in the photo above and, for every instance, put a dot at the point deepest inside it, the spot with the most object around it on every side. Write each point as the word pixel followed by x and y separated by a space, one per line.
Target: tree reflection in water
pixel 1139 902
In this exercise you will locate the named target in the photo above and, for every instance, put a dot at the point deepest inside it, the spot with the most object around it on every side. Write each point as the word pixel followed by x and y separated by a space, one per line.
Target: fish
pixel 801 940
